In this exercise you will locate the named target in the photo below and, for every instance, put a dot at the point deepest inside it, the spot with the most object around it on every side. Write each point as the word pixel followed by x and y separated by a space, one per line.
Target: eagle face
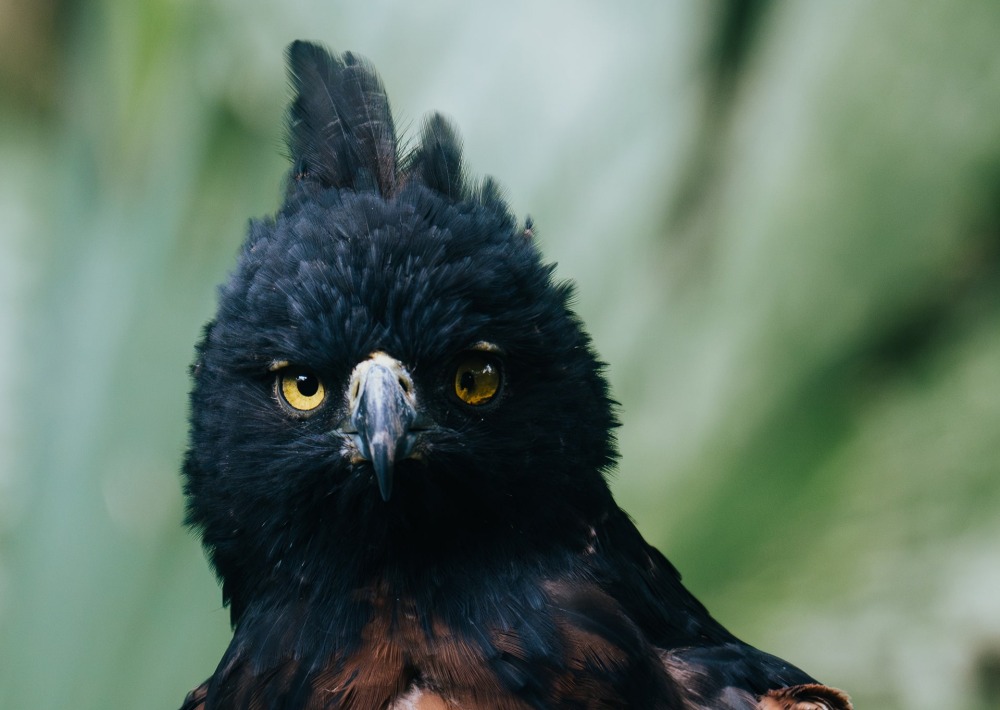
pixel 399 435
pixel 397 373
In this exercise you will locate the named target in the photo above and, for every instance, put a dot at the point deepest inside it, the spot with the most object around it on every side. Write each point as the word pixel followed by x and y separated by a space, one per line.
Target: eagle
pixel 400 435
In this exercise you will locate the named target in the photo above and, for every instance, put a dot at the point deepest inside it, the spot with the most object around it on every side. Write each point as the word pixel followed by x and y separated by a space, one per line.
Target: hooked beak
pixel 383 410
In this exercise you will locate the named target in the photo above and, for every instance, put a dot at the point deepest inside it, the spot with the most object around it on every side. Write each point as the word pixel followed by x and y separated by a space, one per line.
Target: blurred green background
pixel 784 221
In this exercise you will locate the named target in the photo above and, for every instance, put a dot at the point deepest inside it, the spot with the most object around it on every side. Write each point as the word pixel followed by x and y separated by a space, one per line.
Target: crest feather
pixel 340 127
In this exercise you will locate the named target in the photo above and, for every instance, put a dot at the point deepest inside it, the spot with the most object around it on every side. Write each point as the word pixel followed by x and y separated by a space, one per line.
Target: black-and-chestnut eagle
pixel 400 433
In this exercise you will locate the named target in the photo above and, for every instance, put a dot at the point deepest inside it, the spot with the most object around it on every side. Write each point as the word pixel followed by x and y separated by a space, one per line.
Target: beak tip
pixel 384 487
pixel 383 476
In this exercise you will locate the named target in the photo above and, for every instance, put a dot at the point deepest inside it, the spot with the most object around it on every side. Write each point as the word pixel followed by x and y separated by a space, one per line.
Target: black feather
pixel 437 160
pixel 340 128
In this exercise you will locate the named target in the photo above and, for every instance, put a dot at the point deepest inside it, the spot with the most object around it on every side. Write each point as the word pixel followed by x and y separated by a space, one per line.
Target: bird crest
pixel 341 132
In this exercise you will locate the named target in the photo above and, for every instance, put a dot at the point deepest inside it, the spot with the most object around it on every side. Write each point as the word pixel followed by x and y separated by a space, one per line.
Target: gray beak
pixel 382 413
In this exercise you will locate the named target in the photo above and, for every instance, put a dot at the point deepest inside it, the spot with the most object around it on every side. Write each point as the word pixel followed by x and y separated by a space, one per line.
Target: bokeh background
pixel 784 221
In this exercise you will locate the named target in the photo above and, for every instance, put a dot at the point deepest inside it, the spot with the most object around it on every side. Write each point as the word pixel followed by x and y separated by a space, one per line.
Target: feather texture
pixel 340 128
pixel 437 160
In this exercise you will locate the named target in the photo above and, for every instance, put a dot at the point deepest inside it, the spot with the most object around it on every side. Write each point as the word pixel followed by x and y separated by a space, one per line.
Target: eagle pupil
pixel 468 381
pixel 308 385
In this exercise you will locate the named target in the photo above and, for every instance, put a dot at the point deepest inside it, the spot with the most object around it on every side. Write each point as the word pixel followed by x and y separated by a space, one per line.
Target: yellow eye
pixel 477 378
pixel 300 389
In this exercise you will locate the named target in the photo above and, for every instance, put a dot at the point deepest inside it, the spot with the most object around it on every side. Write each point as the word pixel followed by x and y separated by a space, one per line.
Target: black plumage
pixel 399 435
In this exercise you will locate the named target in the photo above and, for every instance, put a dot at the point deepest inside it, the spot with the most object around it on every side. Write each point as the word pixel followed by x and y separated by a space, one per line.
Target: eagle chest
pixel 409 661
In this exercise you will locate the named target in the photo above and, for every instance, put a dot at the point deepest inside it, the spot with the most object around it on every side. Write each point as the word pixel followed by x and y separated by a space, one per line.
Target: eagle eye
pixel 477 378
pixel 300 389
